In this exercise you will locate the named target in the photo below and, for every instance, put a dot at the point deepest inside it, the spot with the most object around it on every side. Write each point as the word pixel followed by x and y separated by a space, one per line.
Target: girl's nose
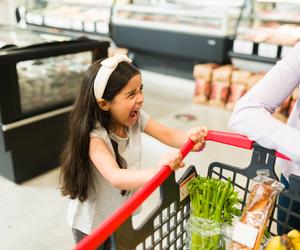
pixel 140 98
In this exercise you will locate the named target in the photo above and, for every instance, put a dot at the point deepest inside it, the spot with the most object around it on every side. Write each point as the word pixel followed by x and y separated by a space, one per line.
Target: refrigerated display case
pixel 39 83
pixel 79 17
pixel 275 29
pixel 176 35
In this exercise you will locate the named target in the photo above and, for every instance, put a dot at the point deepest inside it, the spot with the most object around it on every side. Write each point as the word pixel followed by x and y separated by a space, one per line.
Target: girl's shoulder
pixel 99 132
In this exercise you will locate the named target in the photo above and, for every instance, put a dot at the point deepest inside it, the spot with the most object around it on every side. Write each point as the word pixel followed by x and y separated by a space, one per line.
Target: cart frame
pixel 164 228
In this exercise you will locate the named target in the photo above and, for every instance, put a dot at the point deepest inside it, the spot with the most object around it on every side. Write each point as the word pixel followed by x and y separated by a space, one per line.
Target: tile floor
pixel 32 215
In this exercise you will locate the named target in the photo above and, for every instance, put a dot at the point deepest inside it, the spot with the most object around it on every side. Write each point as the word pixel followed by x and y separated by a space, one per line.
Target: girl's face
pixel 126 105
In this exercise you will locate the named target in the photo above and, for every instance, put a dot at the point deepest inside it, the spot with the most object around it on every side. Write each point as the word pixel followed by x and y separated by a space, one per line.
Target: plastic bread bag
pixel 249 231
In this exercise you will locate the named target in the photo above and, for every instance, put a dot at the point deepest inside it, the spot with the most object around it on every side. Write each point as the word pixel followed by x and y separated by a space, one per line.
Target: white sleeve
pixel 252 114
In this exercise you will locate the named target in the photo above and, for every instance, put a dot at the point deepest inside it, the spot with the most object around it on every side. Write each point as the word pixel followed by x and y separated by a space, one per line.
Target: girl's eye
pixel 131 95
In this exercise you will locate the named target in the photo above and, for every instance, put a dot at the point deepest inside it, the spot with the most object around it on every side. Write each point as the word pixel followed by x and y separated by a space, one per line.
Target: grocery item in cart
pixel 213 205
pixel 290 241
pixel 249 231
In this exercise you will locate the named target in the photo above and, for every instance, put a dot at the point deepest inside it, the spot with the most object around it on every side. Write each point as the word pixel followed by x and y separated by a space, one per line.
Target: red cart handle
pixel 236 140
pixel 105 229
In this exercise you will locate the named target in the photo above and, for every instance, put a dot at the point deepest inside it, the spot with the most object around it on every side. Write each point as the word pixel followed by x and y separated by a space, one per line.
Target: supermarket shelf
pixel 175 10
pixel 278 18
pixel 253 57
pixel 68 32
pixel 253 66
pixel 176 27
pixel 279 1
pixel 213 3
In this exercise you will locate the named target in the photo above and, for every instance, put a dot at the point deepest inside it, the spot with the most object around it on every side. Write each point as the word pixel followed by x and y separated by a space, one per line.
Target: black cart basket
pixel 165 227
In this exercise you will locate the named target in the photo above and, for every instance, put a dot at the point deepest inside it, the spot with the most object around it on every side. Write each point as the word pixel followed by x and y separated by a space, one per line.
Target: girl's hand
pixel 173 159
pixel 197 135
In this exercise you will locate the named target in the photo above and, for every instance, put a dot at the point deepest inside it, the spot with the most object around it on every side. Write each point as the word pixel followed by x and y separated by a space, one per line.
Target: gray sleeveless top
pixel 104 199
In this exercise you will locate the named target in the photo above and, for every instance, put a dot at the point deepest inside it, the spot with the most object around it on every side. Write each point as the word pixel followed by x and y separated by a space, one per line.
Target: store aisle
pixel 32 214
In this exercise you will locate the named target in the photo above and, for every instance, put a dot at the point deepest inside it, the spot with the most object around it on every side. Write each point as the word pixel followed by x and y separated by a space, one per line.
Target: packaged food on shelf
pixel 284 107
pixel 294 98
pixel 257 34
pixel 61 83
pixel 255 78
pixel 287 34
pixel 203 75
pixel 220 88
pixel 249 231
pixel 202 90
pixel 279 115
pixel 223 73
pixel 219 93
pixel 204 71
pixel 273 33
pixel 238 88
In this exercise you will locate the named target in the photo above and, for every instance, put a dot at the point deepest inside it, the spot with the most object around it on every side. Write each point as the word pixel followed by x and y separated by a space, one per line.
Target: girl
pixel 101 162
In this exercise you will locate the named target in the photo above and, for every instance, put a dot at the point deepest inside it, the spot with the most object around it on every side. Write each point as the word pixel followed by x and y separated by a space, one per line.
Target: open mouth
pixel 133 114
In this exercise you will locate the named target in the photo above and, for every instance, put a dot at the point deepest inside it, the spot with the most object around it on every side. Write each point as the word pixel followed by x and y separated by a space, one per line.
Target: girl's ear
pixel 103 104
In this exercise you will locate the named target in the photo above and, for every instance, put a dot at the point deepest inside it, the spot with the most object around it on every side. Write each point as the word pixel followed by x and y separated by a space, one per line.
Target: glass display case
pixel 39 82
pixel 275 29
pixel 202 20
pixel 14 36
pixel 177 35
pixel 90 16
pixel 61 80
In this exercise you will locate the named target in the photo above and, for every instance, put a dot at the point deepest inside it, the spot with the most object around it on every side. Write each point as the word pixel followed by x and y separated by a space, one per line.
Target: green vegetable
pixel 214 201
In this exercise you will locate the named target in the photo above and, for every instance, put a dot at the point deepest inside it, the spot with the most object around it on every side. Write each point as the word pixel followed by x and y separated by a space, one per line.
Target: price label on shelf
pixel 102 27
pixel 34 18
pixel 285 50
pixel 243 46
pixel 57 22
pixel 77 25
pixel 89 26
pixel 267 50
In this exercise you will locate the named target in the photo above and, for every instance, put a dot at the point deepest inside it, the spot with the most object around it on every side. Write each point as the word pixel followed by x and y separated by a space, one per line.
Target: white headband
pixel 108 66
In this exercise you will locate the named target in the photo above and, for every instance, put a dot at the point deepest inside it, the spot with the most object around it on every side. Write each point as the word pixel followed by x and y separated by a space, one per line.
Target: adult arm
pixel 252 114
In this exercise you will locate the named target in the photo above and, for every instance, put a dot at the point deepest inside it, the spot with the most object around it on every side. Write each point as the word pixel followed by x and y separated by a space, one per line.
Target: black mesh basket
pixel 165 228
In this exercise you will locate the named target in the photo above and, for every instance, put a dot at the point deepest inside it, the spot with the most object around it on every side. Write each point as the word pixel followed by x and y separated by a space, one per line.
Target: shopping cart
pixel 164 228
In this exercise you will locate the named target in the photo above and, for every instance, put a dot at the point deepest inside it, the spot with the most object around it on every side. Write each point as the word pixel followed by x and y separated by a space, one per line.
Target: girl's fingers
pixel 198 134
pixel 173 159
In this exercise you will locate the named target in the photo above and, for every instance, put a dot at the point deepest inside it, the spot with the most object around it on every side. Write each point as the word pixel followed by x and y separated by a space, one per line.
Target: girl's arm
pixel 127 179
pixel 170 136
pixel 175 137
pixel 252 114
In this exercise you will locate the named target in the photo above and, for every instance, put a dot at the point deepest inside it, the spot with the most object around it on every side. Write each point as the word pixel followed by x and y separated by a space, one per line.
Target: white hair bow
pixel 108 66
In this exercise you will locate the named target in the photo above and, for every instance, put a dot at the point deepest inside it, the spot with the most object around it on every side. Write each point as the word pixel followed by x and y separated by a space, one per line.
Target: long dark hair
pixel 76 173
